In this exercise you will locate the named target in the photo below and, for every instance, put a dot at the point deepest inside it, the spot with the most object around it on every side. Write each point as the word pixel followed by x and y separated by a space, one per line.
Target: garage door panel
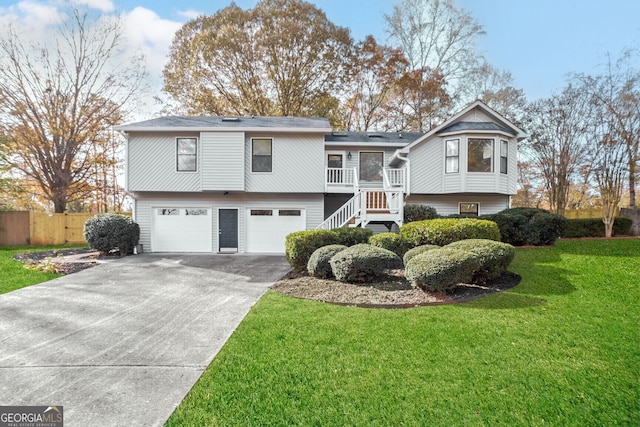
pixel 181 230
pixel 267 228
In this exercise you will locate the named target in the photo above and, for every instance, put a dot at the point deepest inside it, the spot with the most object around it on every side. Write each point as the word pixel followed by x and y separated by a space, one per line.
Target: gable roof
pixel 219 123
pixel 483 126
pixel 502 125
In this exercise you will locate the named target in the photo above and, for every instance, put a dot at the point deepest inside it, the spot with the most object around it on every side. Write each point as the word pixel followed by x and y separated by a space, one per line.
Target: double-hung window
pixel 504 155
pixel 261 155
pixel 480 155
pixel 186 154
pixel 452 156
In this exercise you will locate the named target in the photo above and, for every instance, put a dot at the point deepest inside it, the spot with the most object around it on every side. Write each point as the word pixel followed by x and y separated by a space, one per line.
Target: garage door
pixel 181 230
pixel 267 228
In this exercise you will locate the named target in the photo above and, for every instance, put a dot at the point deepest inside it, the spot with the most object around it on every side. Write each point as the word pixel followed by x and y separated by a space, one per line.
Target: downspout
pixel 408 172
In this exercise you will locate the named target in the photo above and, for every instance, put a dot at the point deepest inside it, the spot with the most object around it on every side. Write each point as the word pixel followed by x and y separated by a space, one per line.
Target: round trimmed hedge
pixel 318 265
pixel 362 263
pixel 390 241
pixel 417 251
pixel 440 269
pixel 441 232
pixel 109 231
pixel 494 257
pixel 528 226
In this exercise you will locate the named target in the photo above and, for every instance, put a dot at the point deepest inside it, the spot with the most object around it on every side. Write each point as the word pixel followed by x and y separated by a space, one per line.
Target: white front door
pixel 181 229
pixel 267 228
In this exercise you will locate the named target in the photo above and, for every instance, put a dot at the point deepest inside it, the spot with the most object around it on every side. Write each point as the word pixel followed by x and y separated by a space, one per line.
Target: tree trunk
pixel 59 203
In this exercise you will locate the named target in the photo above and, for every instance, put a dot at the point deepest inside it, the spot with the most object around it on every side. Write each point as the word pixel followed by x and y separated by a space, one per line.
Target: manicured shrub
pixel 528 226
pixel 301 244
pixel 444 231
pixel 440 269
pixel 390 241
pixel 350 236
pixel 417 251
pixel 107 232
pixel 414 213
pixel 594 227
pixel 494 257
pixel 363 263
pixel 318 265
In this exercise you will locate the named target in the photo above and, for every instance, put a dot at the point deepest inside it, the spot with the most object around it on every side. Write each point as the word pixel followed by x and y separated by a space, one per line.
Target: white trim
pixel 251 154
pixel 126 128
pixel 237 209
pixel 340 152
pixel 446 157
pixel 476 203
pixel 197 153
pixel 365 144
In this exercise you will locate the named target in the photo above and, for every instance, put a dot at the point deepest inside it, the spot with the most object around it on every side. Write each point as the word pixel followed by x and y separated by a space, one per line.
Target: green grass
pixel 559 349
pixel 14 276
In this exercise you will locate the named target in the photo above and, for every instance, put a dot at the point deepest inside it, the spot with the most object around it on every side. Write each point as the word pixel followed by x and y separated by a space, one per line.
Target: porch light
pixel 349 155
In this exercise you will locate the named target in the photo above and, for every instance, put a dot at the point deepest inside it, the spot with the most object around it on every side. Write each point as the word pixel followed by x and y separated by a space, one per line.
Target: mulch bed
pixel 57 257
pixel 393 292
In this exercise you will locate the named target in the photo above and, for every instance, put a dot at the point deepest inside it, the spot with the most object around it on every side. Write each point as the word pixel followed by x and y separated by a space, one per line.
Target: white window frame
pixel 493 153
pixel 272 143
pixel 467 213
pixel 359 164
pixel 447 157
pixel 178 155
pixel 505 156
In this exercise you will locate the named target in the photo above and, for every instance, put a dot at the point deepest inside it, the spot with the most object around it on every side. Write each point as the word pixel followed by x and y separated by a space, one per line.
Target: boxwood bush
pixel 414 213
pixel 447 230
pixel 390 241
pixel 440 269
pixel 594 227
pixel 494 257
pixel 528 226
pixel 363 263
pixel 300 245
pixel 318 265
pixel 109 231
pixel 417 251
pixel 350 236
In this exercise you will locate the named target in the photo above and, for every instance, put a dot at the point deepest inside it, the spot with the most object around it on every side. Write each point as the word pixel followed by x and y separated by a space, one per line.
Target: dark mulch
pixel 392 292
pixel 58 258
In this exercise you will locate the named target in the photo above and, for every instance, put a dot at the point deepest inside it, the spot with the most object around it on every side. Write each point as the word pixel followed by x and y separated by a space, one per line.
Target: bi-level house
pixel 241 184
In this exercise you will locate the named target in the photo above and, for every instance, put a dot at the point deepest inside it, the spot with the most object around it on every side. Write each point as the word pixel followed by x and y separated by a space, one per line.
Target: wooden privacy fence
pixel 585 213
pixel 34 228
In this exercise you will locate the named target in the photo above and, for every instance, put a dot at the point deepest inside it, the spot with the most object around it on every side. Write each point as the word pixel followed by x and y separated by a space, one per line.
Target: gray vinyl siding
pixel 222 161
pixel 448 204
pixel 313 205
pixel 151 164
pixel 297 164
pixel 428 168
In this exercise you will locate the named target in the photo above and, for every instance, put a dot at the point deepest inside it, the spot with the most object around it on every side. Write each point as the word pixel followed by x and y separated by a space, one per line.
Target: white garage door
pixel 267 228
pixel 181 230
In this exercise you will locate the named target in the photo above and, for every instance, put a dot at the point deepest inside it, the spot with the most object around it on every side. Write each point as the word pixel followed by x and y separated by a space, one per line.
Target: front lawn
pixel 14 276
pixel 561 348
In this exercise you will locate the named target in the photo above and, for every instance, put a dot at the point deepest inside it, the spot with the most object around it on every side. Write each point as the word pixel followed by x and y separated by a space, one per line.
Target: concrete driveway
pixel 122 343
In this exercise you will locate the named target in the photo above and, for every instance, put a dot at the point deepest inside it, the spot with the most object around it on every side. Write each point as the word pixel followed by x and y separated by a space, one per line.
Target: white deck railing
pixel 343 178
pixel 350 210
pixel 393 178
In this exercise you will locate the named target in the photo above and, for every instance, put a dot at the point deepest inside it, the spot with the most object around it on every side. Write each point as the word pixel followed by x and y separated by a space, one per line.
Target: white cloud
pixel 101 5
pixel 189 14
pixel 153 34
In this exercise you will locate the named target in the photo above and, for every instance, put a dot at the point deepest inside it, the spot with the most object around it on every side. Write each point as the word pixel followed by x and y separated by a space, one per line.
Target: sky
pixel 540 42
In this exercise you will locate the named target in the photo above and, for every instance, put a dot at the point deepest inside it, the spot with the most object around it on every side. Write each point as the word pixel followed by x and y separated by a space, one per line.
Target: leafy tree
pixel 56 100
pixel 376 71
pixel 283 57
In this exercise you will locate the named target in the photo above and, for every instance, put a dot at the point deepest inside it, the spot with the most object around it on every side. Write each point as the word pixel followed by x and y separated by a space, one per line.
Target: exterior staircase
pixel 368 205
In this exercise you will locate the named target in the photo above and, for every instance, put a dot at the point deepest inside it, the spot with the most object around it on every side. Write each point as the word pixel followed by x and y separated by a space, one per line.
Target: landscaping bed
pixel 63 261
pixel 393 292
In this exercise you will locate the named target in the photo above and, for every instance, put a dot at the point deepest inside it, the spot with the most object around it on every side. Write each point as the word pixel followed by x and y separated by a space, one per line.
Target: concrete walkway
pixel 122 343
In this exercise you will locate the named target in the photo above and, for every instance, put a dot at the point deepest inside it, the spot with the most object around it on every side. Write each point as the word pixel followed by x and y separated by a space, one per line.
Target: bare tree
pixel 610 170
pixel 616 93
pixel 557 145
pixel 436 35
pixel 57 98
